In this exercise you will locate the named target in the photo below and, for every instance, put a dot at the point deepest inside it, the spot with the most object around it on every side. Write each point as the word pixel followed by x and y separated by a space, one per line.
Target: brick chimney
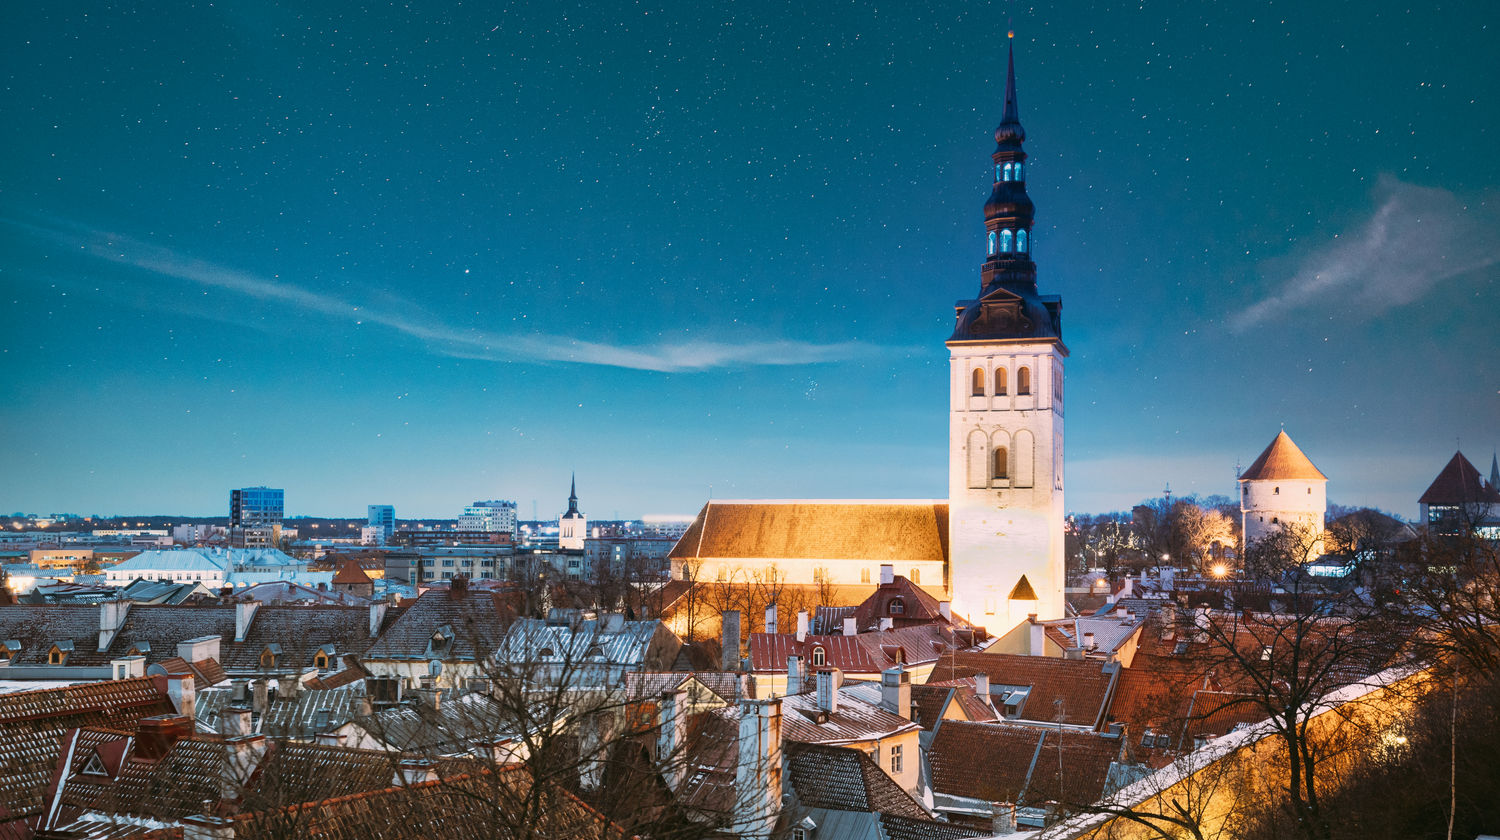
pixel 757 773
pixel 235 721
pixel 771 624
pixel 829 680
pixel 671 737
pixel 244 755
pixel 1038 637
pixel 155 736
pixel 887 574
pixel 895 691
pixel 731 640
pixel 458 587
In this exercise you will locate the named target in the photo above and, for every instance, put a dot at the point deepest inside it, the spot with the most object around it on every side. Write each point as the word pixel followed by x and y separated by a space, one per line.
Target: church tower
pixel 1005 428
pixel 572 527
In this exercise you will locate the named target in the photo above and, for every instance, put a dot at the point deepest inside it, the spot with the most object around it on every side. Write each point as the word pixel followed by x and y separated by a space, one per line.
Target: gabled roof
pixel 875 531
pixel 1282 461
pixel 855 720
pixel 917 606
pixel 864 653
pixel 352 574
pixel 1459 483
pixel 1078 689
pixel 1004 762
pixel 474 615
pixel 843 779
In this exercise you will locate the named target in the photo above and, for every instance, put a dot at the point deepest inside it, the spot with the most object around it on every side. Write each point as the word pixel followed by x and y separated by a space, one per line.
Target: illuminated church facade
pixel 998 539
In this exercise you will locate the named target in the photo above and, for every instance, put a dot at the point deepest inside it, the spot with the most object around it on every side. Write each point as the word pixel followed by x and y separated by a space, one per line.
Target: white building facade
pixel 1282 491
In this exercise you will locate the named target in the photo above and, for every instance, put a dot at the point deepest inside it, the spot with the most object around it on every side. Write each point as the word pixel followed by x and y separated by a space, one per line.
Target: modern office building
pixel 255 515
pixel 495 516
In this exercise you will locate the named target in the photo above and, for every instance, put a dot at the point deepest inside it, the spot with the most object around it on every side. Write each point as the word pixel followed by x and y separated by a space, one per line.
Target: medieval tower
pixel 1005 430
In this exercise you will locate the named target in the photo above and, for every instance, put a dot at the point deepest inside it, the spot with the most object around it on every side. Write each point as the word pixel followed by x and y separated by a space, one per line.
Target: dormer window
pixel 819 658
pixel 59 653
pixel 896 607
pixel 269 655
pixel 325 658
pixel 9 650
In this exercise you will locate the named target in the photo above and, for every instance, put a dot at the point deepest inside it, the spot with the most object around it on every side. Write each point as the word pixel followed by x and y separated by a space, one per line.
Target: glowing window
pixel 1000 172
pixel 915 576
pixel 1017 174
pixel 992 243
pixel 1023 381
pixel 1007 241
pixel 1021 241
pixel 978 389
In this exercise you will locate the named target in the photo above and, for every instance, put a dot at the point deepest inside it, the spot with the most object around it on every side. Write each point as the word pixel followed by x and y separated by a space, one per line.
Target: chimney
pixel 205 827
pixel 414 771
pixel 1168 620
pixel 757 773
pixel 771 624
pixel 1038 636
pixel 1003 818
pixel 829 680
pixel 128 667
pixel 244 613
pixel 1201 624
pixel 377 615
pixel 982 686
pixel 887 574
pixel 895 691
pixel 731 640
pixel 945 609
pixel 181 691
pixel 111 619
pixel 801 626
pixel 887 623
pixel 245 753
pixel 458 587
pixel 235 721
pixel 330 739
pixel 429 698
pixel 671 737
pixel 260 697
pixel 1089 643
pixel 794 674
pixel 851 627
pixel 199 649
pixel 155 736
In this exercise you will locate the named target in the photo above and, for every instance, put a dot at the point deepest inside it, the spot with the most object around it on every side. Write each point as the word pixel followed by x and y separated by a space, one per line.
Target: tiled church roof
pixel 837 530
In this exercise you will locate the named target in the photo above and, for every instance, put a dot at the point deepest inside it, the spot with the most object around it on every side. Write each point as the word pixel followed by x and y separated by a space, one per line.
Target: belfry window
pixel 1023 381
pixel 1002 173
pixel 1002 463
pixel 1017 174
pixel 1007 241
pixel 992 243
pixel 1021 241
pixel 1000 383
pixel 978 389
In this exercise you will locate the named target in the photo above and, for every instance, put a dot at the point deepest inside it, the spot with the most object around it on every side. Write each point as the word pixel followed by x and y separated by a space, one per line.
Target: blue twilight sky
pixel 426 253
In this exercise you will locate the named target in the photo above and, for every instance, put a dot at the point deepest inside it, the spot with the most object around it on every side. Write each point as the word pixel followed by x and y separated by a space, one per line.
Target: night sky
pixel 423 255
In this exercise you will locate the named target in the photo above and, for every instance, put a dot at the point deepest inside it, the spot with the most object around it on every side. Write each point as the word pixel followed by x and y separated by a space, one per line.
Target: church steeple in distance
pixel 1008 212
pixel 573 499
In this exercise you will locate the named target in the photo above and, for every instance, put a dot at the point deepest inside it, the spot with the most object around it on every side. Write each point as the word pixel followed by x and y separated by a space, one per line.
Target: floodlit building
pixel 493 517
pixel 572 526
pixel 1283 490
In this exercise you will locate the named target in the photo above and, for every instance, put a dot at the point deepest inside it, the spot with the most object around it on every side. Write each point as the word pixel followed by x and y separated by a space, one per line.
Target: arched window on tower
pixel 1017 174
pixel 1021 241
pixel 999 172
pixel 1023 381
pixel 992 243
pixel 1002 463
pixel 1007 241
pixel 978 387
pixel 1000 383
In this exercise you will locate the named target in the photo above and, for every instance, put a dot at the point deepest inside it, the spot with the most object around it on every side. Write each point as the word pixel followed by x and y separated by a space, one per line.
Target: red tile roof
pixel 877 532
pixel 1282 461
pixel 1459 483
pixel 352 573
pixel 1078 688
pixel 1002 762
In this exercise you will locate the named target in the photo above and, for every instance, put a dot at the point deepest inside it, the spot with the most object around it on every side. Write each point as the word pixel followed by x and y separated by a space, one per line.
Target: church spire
pixel 573 496
pixel 1008 212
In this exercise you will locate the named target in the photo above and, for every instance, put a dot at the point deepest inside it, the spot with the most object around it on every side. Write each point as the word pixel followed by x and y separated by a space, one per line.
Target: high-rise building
pixel 1005 444
pixel 255 515
pixel 383 519
pixel 572 526
pixel 495 516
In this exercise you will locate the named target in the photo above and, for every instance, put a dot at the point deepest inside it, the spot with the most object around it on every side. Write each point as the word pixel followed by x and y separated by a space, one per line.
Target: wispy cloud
pixel 1417 238
pixel 441 336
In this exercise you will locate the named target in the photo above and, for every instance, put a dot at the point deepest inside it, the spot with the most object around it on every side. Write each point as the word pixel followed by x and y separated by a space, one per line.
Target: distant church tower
pixel 1005 427
pixel 1283 489
pixel 572 526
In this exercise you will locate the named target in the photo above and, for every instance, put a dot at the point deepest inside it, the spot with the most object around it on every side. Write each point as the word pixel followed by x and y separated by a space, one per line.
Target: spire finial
pixel 1010 130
